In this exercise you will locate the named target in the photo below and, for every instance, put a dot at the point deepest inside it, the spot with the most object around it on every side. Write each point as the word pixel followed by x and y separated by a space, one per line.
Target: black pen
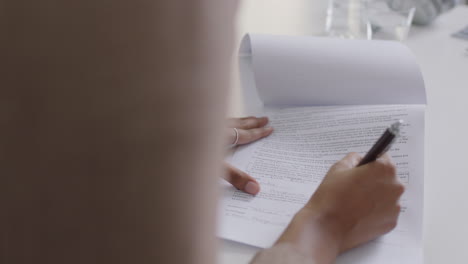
pixel 383 144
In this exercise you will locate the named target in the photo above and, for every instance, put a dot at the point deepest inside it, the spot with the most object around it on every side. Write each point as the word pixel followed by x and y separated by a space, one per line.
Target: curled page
pixel 314 71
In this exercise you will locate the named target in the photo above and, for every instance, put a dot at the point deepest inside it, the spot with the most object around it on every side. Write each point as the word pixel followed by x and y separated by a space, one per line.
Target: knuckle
pixel 337 165
pixel 398 208
pixel 386 167
pixel 379 165
pixel 265 131
pixel 399 189
pixel 390 225
pixel 354 156
pixel 391 168
pixel 250 122
pixel 256 133
pixel 245 122
pixel 333 168
pixel 385 158
pixel 245 135
pixel 255 122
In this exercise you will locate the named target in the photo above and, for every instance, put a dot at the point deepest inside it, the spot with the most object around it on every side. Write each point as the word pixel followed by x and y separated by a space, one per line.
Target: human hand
pixel 350 207
pixel 249 130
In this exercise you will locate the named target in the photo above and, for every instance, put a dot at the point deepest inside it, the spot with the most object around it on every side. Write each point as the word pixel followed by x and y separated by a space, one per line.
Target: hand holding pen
pixel 383 144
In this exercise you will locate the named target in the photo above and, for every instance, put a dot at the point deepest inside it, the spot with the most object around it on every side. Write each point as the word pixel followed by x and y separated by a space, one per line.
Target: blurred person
pixel 112 140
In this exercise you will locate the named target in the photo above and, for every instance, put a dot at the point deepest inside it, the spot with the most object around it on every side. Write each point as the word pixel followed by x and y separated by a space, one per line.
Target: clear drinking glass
pixel 370 19
pixel 347 19
pixel 390 19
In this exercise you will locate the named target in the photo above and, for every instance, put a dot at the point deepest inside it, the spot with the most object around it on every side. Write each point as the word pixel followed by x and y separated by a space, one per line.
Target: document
pixel 284 71
pixel 326 98
pixel 291 163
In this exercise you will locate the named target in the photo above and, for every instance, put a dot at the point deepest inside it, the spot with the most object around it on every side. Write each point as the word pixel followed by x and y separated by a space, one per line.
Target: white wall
pixel 282 16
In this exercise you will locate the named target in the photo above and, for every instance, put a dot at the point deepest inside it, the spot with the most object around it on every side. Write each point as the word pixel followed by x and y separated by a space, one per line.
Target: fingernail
pixel 252 187
pixel 268 130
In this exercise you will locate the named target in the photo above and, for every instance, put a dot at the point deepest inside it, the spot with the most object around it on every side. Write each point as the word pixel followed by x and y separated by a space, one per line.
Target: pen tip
pixel 395 127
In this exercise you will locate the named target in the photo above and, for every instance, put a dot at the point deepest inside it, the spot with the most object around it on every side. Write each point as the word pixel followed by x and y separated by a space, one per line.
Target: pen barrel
pixel 379 148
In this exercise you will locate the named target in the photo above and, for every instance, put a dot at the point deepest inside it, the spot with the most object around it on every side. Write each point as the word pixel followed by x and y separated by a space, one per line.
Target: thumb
pixel 350 161
pixel 241 180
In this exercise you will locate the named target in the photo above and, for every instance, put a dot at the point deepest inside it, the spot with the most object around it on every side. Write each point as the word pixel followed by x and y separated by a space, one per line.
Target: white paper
pixel 290 164
pixel 312 71
pixel 371 80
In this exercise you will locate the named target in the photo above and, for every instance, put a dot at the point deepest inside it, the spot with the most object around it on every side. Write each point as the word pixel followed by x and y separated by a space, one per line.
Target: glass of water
pixel 370 19
pixel 347 19
pixel 390 19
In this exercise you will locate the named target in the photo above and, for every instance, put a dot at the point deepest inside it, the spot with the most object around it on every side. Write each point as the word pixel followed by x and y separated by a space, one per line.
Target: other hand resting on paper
pixel 250 129
pixel 352 205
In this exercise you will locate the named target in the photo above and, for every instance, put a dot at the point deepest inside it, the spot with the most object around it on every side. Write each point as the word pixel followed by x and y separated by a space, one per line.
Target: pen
pixel 383 144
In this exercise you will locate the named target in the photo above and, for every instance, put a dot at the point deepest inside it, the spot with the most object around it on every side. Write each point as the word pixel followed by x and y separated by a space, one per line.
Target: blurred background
pixel 291 17
pixel 282 17
pixel 310 17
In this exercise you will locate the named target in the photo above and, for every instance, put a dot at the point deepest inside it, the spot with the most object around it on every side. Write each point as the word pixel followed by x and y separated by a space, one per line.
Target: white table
pixel 445 69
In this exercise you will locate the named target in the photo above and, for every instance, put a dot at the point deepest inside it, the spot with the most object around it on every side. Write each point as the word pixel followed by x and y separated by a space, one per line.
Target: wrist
pixel 315 235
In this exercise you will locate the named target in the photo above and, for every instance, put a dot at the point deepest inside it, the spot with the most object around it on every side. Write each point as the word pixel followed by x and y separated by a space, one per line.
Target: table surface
pixel 444 64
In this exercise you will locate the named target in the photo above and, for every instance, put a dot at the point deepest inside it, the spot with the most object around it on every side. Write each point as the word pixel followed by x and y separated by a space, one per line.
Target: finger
pixel 231 136
pixel 384 166
pixel 234 122
pixel 385 158
pixel 248 122
pixel 392 214
pixel 241 180
pixel 251 135
pixel 350 161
